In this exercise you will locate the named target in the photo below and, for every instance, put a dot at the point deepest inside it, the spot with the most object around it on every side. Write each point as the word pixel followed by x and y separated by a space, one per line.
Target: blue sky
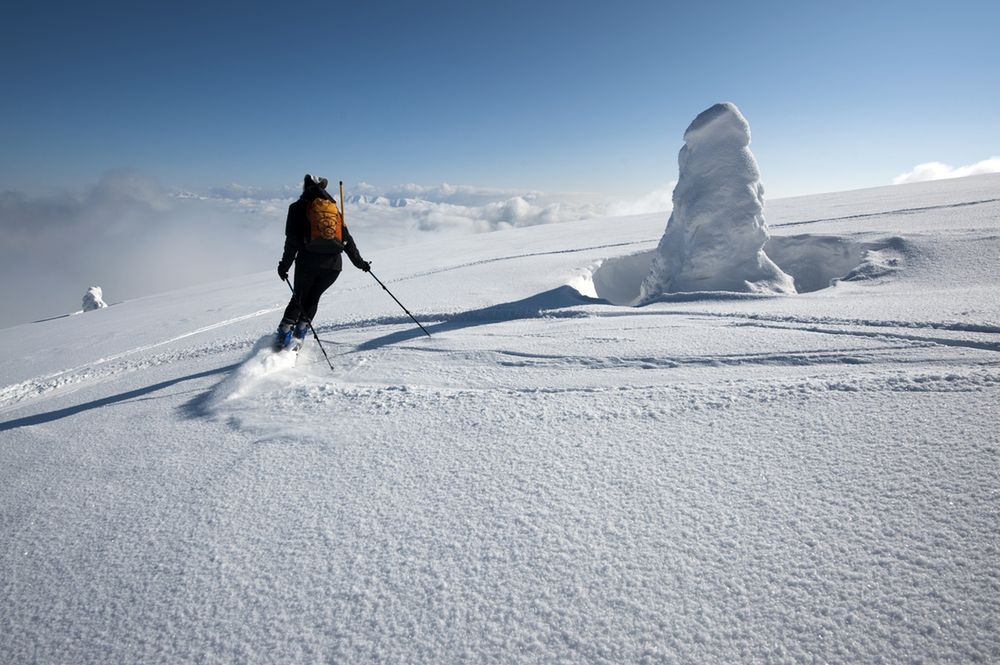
pixel 554 96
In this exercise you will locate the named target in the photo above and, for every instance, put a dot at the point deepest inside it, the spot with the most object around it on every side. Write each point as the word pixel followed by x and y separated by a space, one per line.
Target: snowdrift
pixel 813 262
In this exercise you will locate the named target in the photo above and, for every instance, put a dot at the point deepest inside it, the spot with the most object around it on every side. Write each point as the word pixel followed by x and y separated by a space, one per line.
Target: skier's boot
pixel 283 337
pixel 299 335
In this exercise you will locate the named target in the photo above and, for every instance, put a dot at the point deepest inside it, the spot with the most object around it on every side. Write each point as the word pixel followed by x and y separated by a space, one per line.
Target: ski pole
pixel 309 323
pixel 397 302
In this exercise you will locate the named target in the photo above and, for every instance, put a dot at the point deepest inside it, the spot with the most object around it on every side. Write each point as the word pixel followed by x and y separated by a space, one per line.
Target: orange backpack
pixel 326 226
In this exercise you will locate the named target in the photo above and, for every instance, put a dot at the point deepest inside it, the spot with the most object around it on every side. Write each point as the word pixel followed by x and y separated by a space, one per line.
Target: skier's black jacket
pixel 297 236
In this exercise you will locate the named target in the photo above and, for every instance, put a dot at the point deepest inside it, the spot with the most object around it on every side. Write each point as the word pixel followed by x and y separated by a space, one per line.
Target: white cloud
pixel 939 171
pixel 658 200
pixel 467 211
pixel 461 195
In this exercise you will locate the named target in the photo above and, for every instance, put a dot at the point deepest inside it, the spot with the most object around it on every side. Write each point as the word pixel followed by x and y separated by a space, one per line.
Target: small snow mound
pixel 715 236
pixel 93 299
pixel 877 263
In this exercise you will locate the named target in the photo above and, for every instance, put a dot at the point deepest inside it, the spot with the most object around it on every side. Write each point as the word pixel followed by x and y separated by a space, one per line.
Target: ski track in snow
pixel 890 213
pixel 112 367
pixel 116 365
pixel 525 255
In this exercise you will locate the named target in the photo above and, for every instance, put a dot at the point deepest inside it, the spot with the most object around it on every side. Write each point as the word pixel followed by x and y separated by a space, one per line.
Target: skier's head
pixel 314 181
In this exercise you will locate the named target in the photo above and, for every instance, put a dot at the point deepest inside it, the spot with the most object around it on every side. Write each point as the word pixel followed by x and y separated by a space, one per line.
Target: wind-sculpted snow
pixel 715 236
pixel 93 299
pixel 716 477
pixel 812 261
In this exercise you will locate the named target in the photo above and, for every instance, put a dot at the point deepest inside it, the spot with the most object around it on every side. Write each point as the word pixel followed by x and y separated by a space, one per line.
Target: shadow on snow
pixel 547 303
pixel 49 416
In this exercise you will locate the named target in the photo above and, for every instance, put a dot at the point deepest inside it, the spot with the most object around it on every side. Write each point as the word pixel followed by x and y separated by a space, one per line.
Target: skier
pixel 315 237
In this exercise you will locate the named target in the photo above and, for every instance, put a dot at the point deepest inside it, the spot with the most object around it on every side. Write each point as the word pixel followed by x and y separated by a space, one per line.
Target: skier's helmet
pixel 312 180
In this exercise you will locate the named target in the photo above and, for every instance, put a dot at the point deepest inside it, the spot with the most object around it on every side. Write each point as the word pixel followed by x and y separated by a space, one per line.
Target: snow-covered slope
pixel 714 477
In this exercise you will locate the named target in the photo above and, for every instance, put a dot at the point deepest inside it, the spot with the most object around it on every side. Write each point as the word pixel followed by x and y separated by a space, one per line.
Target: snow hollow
pixel 554 476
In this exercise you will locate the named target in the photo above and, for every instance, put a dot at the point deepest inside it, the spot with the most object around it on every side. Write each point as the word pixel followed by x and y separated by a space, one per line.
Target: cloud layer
pixel 131 236
pixel 389 216
pixel 126 234
pixel 939 171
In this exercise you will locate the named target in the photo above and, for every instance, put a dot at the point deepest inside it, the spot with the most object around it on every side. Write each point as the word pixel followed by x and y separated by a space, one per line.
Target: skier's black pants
pixel 310 283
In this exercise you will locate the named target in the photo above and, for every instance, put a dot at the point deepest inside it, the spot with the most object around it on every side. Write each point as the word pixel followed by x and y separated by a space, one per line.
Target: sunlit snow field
pixel 551 477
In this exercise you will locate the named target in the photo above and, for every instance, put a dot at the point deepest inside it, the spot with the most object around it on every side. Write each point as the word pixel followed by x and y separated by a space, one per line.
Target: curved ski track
pixel 985 337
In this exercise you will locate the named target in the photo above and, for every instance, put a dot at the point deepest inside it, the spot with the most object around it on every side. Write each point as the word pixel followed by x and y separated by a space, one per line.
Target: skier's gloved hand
pixel 283 272
pixel 364 265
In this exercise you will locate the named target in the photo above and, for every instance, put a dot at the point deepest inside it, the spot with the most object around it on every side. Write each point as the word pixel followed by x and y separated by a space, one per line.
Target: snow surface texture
pixel 712 478
pixel 93 299
pixel 716 233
